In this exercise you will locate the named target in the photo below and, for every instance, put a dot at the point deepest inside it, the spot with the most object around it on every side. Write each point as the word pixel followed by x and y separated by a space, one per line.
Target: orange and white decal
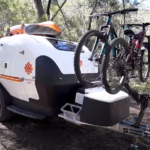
pixel 28 68
pixel 10 78
pixel 17 79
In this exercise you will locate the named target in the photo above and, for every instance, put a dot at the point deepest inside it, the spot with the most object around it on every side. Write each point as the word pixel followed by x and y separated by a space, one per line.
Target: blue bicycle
pixel 87 67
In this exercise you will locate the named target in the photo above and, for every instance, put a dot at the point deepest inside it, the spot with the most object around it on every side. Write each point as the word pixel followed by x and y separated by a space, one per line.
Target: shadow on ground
pixel 56 134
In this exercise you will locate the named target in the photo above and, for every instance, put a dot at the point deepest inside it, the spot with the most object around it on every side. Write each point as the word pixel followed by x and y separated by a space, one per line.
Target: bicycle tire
pixel 143 79
pixel 105 61
pixel 77 56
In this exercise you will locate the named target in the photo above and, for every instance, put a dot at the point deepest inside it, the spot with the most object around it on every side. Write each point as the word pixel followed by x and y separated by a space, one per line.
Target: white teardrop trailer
pixel 37 80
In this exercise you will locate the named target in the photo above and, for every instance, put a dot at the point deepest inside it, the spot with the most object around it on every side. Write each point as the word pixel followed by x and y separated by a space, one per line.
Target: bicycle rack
pixel 71 113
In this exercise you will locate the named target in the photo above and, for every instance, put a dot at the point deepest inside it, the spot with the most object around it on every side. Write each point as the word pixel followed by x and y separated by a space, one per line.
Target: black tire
pixel 105 62
pixel 5 114
pixel 89 34
pixel 144 78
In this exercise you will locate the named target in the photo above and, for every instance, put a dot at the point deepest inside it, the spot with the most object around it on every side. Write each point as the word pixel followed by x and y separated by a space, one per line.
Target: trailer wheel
pixel 5 114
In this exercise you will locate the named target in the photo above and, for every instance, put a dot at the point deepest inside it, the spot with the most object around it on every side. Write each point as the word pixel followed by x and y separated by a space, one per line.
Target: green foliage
pixel 13 12
pixel 77 15
pixel 75 12
pixel 16 12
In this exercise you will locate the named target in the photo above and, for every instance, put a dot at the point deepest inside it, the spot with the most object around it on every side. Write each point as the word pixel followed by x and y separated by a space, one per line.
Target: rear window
pixel 63 45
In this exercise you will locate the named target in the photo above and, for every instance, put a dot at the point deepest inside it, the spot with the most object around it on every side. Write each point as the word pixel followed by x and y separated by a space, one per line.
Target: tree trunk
pixel 123 2
pixel 40 10
pixel 48 9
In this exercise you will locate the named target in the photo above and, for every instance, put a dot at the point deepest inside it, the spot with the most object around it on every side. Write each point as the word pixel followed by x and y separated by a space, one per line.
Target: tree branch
pixel 63 16
pixel 90 19
pixel 60 7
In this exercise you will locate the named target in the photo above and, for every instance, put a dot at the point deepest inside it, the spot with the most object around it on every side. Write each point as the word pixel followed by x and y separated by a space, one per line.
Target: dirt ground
pixel 22 133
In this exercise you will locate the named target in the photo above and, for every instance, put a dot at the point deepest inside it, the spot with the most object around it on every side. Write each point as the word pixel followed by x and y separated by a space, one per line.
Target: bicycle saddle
pixel 129 32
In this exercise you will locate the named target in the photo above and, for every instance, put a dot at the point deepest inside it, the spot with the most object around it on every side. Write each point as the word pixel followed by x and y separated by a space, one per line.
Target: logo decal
pixel 28 68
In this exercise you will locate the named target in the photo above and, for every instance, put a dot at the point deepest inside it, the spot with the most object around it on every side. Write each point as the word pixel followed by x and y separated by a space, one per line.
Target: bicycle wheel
pixel 86 58
pixel 144 66
pixel 113 74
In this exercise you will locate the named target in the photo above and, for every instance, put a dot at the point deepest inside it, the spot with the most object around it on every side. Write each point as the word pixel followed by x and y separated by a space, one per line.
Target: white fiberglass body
pixel 18 54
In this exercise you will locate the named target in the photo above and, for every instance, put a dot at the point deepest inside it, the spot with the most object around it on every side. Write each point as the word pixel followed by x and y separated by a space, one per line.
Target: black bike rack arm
pixel 142 99
pixel 133 93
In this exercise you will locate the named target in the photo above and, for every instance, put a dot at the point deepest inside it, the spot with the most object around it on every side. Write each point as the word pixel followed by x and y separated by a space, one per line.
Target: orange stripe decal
pixel 16 79
pixel 11 79
pixel 9 76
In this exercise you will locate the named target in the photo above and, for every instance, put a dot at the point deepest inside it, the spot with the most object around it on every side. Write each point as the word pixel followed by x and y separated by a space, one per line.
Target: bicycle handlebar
pixel 131 25
pixel 130 10
pixel 146 24
pixel 140 25
pixel 124 11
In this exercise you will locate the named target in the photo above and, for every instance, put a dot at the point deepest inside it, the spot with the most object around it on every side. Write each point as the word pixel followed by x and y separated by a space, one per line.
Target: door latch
pixel 21 79
pixel 22 52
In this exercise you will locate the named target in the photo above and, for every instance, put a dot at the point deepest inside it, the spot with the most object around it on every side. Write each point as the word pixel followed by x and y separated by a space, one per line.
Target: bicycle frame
pixel 111 33
pixel 138 42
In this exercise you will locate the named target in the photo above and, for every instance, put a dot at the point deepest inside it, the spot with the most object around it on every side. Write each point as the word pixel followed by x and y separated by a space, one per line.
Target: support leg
pixel 134 145
pixel 139 119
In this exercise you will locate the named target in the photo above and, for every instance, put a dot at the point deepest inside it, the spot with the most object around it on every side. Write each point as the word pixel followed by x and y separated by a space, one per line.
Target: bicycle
pixel 96 53
pixel 128 59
